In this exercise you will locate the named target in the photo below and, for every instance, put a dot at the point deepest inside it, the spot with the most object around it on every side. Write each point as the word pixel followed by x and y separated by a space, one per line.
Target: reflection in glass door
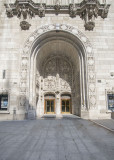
pixel 49 106
pixel 65 106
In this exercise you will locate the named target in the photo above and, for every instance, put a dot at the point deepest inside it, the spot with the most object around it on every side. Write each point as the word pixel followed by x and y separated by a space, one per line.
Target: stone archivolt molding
pixel 88 10
pixel 89 58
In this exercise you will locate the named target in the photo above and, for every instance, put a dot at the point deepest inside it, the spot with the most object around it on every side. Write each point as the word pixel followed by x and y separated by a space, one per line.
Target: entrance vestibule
pixel 58 72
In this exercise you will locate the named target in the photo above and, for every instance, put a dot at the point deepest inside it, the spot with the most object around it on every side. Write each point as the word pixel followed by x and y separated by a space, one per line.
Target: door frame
pixel 45 106
pixel 70 112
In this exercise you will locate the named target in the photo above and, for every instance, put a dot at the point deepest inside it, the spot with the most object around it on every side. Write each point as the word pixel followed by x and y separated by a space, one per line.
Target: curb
pixel 101 125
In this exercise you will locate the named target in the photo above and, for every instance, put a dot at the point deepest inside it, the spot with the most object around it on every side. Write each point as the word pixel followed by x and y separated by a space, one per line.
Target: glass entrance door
pixel 65 106
pixel 49 106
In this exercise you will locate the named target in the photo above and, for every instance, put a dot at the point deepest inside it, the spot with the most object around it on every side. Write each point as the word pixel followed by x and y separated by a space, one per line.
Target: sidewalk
pixel 105 123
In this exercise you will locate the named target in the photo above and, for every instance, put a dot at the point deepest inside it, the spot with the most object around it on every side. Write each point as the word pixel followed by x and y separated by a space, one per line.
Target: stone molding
pixel 88 10
pixel 89 58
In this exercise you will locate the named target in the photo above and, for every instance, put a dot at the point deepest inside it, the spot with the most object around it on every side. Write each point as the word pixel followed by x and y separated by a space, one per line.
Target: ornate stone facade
pixel 87 10
pixel 56 53
pixel 54 80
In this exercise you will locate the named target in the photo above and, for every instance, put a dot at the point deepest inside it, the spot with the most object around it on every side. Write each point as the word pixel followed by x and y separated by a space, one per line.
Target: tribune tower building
pixel 56 58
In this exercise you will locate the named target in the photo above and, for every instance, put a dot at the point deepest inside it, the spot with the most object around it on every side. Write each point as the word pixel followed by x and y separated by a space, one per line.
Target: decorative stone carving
pixel 23 90
pixel 65 85
pixel 9 11
pixel 110 90
pixel 92 87
pixel 72 10
pixel 23 74
pixel 91 77
pixel 89 15
pixel 25 25
pixel 92 101
pixel 87 9
pixel 90 61
pixel 22 101
pixel 57 6
pixel 50 83
pixel 22 12
pixel 24 61
pixel 37 80
pixel 41 10
pixel 105 11
pixel 58 74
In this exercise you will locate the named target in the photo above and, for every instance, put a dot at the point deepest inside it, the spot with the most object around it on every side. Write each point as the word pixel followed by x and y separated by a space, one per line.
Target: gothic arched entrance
pixel 61 63
pixel 58 72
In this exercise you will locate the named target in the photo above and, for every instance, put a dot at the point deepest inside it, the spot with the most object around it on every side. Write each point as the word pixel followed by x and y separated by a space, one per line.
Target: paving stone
pixel 71 139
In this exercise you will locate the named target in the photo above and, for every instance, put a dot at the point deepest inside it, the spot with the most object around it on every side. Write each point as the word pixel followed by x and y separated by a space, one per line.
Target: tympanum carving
pixel 58 74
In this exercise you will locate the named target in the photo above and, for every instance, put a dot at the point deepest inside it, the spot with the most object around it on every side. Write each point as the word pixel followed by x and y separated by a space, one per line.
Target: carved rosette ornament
pixel 88 10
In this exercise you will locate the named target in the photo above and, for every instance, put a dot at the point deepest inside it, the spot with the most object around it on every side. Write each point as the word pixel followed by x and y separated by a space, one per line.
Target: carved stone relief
pixel 88 10
pixel 23 102
pixel 25 25
pixel 58 74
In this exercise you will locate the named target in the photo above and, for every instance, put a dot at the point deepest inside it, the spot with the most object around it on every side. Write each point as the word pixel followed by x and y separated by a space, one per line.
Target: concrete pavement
pixel 106 123
pixel 55 139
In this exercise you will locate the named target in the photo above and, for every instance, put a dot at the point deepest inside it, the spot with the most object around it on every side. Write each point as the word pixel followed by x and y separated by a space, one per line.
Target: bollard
pixel 14 114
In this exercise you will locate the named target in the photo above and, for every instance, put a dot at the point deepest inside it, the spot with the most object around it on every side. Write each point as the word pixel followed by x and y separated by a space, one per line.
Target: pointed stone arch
pixel 79 40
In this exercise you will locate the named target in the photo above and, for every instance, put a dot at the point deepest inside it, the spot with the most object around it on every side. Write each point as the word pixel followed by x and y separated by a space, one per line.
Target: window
pixel 3 102
pixel 111 102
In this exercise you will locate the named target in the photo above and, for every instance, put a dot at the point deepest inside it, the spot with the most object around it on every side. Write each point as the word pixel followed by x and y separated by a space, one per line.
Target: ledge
pixel 87 10
pixel 4 112
pixel 109 111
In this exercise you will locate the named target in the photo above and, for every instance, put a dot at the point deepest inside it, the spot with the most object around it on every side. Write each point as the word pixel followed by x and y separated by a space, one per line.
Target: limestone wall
pixel 12 40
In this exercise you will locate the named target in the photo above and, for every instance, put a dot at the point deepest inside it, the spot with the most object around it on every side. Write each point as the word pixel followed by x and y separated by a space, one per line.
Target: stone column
pixel 58 104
